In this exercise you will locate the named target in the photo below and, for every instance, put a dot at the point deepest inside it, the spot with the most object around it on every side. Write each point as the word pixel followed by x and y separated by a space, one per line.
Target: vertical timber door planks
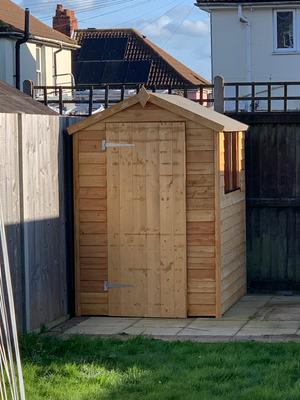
pixel 113 219
pixel 153 221
pixel 147 220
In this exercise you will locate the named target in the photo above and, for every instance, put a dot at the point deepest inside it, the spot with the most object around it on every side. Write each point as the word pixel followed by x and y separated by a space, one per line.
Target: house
pixel 254 40
pixel 37 53
pixel 124 56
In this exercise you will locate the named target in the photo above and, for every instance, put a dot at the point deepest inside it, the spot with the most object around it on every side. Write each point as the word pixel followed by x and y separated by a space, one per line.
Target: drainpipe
pixel 18 48
pixel 245 21
pixel 55 62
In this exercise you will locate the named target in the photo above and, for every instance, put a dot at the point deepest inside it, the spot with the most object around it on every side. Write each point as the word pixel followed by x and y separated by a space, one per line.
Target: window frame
pixel 39 71
pixel 275 31
pixel 231 162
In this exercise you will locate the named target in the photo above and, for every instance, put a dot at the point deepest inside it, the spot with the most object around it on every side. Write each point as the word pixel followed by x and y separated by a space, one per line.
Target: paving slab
pixel 161 331
pixel 209 331
pixel 255 299
pixel 163 323
pixel 92 330
pixel 252 318
pixel 133 331
pixel 200 323
pixel 266 332
pixel 280 312
pixel 109 321
pixel 273 324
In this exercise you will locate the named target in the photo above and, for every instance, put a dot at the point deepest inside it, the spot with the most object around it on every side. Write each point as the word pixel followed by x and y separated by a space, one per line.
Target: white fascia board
pixel 225 6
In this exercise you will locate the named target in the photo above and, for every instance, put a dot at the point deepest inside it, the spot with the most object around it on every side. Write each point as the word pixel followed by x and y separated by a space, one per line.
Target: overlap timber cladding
pixel 91 220
pixel 201 230
pixel 233 234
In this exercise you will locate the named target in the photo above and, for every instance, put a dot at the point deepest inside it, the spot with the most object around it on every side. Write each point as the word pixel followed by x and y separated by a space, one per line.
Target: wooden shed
pixel 159 209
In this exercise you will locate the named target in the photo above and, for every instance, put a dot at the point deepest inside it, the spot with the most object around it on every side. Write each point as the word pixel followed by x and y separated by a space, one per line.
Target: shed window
pixel 285 30
pixel 231 158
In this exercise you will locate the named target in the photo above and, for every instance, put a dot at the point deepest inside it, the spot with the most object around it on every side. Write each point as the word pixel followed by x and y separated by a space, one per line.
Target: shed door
pixel 146 220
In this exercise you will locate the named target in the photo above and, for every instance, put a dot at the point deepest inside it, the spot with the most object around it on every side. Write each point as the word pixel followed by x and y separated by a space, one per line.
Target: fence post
pixel 219 94
pixel 28 87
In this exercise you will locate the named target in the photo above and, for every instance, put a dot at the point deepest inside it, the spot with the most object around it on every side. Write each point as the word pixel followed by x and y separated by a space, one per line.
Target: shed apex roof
pixel 174 103
pixel 14 101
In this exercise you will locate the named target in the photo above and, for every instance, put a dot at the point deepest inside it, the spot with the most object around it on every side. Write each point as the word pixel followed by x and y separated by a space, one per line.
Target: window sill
pixel 285 53
pixel 234 190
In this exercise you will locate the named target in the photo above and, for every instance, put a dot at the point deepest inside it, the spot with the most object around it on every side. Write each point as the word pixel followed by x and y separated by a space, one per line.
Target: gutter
pixel 55 42
pixel 207 6
pixel 41 40
pixel 18 48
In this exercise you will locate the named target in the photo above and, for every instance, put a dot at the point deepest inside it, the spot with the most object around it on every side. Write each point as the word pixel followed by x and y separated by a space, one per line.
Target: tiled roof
pixel 125 56
pixel 12 19
pixel 14 101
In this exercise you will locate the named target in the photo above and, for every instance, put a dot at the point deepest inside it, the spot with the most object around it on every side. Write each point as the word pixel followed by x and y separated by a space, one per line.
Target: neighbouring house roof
pixel 123 56
pixel 176 104
pixel 12 20
pixel 203 3
pixel 14 101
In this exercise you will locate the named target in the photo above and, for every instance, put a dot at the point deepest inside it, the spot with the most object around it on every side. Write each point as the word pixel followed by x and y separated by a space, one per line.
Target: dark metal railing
pixel 232 97
pixel 95 96
pixel 261 96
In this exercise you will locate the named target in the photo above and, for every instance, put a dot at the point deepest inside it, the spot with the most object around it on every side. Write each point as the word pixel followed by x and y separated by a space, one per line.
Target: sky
pixel 178 26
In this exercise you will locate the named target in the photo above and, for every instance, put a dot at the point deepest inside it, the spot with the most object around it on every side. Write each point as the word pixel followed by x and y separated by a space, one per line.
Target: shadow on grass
pixel 82 368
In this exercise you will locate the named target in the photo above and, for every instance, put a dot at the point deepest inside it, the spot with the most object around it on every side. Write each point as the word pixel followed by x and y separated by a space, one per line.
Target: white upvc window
pixel 39 65
pixel 285 38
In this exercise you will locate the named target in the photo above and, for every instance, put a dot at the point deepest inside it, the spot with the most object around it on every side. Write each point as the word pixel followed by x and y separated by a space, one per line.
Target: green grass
pixel 140 369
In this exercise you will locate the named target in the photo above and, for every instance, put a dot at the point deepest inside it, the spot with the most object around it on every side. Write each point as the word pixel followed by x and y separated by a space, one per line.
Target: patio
pixel 253 317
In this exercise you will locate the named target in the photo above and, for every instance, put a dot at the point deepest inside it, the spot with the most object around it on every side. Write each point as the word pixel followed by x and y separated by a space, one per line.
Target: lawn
pixel 142 369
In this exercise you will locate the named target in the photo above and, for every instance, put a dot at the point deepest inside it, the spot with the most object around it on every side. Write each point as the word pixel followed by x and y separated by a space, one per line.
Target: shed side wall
pixel 90 222
pixel 233 233
pixel 201 220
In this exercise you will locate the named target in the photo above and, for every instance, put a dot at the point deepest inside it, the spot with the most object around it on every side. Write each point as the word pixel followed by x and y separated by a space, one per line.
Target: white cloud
pixel 197 28
pixel 159 28
pixel 187 39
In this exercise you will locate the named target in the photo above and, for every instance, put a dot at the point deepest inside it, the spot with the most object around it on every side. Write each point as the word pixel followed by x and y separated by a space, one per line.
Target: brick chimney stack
pixel 65 21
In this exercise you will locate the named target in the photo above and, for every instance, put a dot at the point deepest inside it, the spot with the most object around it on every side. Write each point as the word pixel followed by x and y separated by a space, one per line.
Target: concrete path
pixel 252 318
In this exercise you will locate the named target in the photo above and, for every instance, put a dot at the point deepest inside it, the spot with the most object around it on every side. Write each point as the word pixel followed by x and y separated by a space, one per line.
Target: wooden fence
pixel 273 201
pixel 33 167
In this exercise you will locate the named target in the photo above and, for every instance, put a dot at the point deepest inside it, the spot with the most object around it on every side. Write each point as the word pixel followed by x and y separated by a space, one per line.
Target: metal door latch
pixel 108 286
pixel 105 145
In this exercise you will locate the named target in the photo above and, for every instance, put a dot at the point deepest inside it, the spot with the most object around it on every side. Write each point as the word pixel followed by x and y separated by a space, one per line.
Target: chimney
pixel 65 21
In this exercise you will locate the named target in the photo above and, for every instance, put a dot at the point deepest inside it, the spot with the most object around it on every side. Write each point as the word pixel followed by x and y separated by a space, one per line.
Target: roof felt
pixel 178 105
pixel 228 124
pixel 124 56
pixel 14 101
pixel 12 19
